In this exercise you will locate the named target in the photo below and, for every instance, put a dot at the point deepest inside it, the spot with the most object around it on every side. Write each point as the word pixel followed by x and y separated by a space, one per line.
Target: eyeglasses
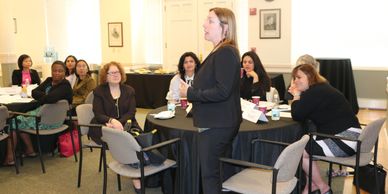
pixel 114 73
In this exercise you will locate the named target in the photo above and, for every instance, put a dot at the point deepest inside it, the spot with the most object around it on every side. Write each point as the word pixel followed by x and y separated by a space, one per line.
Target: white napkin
pixel 165 115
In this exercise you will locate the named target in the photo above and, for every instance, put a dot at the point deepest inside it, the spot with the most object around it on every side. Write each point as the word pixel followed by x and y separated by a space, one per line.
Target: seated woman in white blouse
pixel 188 65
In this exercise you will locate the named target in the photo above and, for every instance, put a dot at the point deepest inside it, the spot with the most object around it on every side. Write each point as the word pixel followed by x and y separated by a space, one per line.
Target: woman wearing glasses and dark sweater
pixel 113 104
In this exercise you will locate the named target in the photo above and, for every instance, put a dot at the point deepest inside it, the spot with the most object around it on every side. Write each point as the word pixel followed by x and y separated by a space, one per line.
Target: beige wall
pixel 115 11
pixel 274 53
pixel 31 36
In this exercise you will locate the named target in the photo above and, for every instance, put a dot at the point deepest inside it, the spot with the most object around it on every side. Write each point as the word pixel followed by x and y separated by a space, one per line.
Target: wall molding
pixel 372 103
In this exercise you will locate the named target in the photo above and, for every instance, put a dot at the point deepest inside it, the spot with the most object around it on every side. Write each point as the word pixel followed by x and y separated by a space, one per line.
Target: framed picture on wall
pixel 115 34
pixel 270 23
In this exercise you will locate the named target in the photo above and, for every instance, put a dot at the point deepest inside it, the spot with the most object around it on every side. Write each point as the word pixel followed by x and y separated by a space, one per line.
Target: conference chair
pixel 257 178
pixel 364 155
pixel 89 98
pixel 4 131
pixel 125 150
pixel 48 114
pixel 85 115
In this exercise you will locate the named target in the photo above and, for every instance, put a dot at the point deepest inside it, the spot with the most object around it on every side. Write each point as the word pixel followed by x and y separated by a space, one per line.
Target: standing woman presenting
pixel 216 96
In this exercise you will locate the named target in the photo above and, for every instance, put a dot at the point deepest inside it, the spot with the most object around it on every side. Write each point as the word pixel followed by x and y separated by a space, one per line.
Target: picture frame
pixel 270 23
pixel 115 34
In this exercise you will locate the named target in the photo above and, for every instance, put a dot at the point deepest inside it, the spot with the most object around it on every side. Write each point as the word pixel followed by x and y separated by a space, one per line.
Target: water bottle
pixel 24 93
pixel 27 82
pixel 171 105
pixel 275 110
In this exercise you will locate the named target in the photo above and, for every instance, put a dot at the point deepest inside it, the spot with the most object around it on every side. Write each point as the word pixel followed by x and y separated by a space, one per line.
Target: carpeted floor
pixel 61 175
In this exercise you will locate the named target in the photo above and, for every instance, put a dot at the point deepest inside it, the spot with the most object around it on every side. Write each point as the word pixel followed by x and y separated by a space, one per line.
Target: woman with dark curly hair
pixel 255 80
pixel 188 65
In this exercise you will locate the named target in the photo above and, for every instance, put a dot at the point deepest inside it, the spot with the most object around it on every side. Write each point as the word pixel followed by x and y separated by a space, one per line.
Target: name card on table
pixel 254 115
pixel 188 110
pixel 250 113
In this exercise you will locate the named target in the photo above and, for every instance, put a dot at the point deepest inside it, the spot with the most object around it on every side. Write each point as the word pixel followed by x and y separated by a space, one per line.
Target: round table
pixel 284 130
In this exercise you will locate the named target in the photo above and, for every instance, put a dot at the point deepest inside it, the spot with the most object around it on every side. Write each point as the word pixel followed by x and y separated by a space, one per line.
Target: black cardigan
pixel 61 91
pixel 104 106
pixel 17 77
pixel 249 89
pixel 326 107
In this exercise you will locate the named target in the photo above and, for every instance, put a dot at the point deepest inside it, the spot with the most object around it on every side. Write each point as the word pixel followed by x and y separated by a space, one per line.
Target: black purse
pixel 145 140
pixel 366 178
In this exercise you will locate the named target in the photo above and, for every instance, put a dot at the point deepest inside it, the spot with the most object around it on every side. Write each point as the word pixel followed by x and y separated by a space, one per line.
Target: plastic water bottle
pixel 24 93
pixel 275 116
pixel 27 82
pixel 171 105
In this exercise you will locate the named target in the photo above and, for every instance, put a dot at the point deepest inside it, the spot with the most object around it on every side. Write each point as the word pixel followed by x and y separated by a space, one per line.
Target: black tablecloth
pixel 285 130
pixel 339 73
pixel 151 89
pixel 277 81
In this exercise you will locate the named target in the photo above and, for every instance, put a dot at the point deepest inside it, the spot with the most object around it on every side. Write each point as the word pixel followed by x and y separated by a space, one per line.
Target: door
pixel 180 30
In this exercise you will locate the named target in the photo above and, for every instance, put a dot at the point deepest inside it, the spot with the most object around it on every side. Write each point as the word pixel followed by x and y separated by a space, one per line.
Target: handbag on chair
pixel 366 178
pixel 145 140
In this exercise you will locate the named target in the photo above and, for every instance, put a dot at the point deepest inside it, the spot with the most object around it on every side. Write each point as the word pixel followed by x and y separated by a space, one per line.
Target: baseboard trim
pixel 372 103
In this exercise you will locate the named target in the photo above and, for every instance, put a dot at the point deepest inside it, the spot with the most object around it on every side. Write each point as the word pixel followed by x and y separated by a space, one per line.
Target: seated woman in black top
pixel 255 80
pixel 24 73
pixel 114 104
pixel 52 90
pixel 316 100
pixel 304 59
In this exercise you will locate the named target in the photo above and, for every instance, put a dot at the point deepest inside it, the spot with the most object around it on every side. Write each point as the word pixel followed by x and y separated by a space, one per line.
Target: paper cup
pixel 183 103
pixel 256 100
pixel 263 108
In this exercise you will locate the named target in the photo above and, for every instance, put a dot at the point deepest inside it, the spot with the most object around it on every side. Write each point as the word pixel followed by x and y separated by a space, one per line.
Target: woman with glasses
pixel 113 104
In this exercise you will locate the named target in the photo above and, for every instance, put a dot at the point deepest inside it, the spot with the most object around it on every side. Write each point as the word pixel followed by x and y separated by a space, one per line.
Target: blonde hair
pixel 307 59
pixel 227 18
pixel 104 72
